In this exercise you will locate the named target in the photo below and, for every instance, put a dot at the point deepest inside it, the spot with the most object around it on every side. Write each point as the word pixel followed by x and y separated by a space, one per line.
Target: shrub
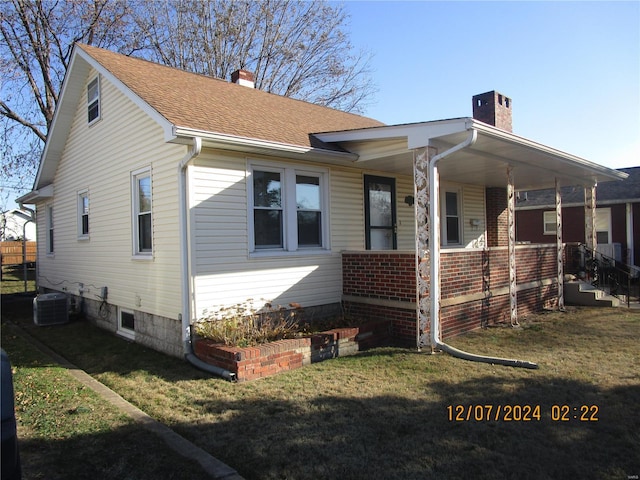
pixel 245 324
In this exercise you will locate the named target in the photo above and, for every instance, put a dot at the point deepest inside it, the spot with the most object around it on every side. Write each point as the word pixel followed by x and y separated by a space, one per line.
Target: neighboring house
pixel 161 194
pixel 17 225
pixel 617 217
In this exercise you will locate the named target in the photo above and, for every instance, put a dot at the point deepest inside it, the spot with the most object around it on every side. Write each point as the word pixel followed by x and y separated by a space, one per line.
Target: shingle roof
pixel 208 104
pixel 627 189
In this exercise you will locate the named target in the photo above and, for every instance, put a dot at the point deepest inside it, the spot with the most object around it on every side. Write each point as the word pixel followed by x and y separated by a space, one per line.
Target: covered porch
pixel 436 291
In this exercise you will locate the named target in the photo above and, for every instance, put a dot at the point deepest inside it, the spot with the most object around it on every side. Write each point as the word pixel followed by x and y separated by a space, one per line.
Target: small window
pixel 603 225
pixel 83 214
pixel 126 324
pixel 451 218
pixel 49 229
pixel 93 100
pixel 142 216
pixel 549 219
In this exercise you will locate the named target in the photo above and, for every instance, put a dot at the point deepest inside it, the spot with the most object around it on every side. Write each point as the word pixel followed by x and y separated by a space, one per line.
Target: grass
pixel 383 414
pixel 13 279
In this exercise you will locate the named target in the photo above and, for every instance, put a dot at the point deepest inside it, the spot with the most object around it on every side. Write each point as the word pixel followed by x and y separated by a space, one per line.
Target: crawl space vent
pixel 50 309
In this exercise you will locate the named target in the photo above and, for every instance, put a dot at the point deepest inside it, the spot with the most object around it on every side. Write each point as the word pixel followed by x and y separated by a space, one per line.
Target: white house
pixel 163 193
pixel 16 225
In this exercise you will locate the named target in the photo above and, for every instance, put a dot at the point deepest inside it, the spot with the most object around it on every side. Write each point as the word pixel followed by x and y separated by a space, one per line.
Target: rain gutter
pixel 434 243
pixel 185 277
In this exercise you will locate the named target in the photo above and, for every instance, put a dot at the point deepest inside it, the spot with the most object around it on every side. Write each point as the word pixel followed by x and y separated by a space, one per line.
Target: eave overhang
pixel 534 165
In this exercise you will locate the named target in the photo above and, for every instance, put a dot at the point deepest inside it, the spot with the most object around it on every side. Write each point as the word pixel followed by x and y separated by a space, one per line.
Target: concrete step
pixel 579 292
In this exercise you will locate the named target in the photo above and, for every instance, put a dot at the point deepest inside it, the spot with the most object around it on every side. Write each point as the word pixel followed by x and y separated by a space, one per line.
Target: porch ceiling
pixel 535 166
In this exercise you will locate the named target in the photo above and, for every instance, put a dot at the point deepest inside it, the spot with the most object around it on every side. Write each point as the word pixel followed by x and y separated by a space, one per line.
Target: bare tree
pixel 295 48
pixel 36 40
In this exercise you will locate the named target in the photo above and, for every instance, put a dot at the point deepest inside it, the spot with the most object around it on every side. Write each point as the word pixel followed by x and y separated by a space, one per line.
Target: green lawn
pixel 385 413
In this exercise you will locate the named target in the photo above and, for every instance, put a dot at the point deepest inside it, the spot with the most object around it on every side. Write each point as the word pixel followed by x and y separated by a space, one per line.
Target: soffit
pixel 534 166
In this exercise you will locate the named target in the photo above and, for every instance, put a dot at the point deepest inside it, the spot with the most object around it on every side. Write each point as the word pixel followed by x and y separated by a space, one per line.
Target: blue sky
pixel 572 69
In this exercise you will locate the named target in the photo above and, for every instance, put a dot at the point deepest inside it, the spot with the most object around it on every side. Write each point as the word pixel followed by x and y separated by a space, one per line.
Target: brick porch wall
pixel 381 285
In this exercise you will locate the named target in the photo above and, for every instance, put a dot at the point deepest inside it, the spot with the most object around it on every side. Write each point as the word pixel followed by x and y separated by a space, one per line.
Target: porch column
pixel 421 158
pixel 511 219
pixel 590 218
pixel 559 247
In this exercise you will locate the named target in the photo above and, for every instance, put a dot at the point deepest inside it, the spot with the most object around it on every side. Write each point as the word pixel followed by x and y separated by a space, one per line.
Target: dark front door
pixel 380 212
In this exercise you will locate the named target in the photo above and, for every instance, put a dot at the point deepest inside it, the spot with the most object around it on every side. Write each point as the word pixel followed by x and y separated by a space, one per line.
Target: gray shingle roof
pixel 609 192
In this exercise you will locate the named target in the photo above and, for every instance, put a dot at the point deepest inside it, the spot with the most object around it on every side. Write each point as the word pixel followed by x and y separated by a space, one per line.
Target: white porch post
pixel 421 159
pixel 511 219
pixel 590 218
pixel 559 247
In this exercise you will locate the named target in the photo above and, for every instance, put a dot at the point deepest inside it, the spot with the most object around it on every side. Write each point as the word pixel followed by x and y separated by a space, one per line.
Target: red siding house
pixel 617 217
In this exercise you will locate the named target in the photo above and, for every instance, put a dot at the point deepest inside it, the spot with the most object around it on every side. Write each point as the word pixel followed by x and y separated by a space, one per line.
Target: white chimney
pixel 244 78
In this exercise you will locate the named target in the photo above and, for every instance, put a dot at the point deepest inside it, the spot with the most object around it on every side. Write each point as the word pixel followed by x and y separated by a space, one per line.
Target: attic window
pixel 93 100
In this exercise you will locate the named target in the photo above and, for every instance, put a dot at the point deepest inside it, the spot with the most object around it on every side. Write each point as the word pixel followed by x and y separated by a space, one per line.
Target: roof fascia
pixel 544 149
pixel 417 134
pixel 57 124
pixel 31 197
pixel 252 145
pixel 79 67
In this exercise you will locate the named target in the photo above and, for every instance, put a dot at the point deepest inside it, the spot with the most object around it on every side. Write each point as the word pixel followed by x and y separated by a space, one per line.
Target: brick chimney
pixel 244 78
pixel 493 108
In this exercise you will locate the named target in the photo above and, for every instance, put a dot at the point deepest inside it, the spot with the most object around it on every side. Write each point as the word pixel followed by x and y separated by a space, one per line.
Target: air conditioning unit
pixel 50 309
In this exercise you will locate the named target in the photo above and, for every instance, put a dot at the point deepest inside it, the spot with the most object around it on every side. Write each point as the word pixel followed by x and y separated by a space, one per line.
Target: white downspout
pixel 185 276
pixel 434 246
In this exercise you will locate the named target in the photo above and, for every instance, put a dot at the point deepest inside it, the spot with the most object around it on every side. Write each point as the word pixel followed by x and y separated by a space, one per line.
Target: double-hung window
pixel 83 214
pixel 93 100
pixel 49 210
pixel 549 222
pixel 142 218
pixel 288 209
pixel 451 217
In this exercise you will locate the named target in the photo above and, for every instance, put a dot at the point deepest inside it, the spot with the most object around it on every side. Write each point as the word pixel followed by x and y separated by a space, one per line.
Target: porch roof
pixel 534 165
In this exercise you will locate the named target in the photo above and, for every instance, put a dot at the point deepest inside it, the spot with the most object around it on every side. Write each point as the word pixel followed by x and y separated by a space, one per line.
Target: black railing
pixel 604 272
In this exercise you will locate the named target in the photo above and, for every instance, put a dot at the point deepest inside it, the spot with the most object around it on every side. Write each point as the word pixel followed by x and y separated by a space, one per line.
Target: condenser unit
pixel 50 309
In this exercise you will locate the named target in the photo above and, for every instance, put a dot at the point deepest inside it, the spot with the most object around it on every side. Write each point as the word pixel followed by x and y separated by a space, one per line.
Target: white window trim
pixel 123 331
pixel 549 218
pixel 444 241
pixel 50 245
pixel 98 100
pixel 603 215
pixel 288 173
pixel 82 194
pixel 137 254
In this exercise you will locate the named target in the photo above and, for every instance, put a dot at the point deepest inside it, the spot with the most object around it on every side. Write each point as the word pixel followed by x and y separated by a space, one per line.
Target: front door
pixel 380 212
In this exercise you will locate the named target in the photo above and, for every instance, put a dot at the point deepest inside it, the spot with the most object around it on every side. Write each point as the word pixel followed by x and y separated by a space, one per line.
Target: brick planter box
pixel 250 363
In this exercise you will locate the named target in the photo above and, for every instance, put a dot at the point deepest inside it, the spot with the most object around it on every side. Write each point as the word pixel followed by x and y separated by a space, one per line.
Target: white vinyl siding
pixel 103 156
pixel 470 214
pixel 225 272
pixel 473 216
